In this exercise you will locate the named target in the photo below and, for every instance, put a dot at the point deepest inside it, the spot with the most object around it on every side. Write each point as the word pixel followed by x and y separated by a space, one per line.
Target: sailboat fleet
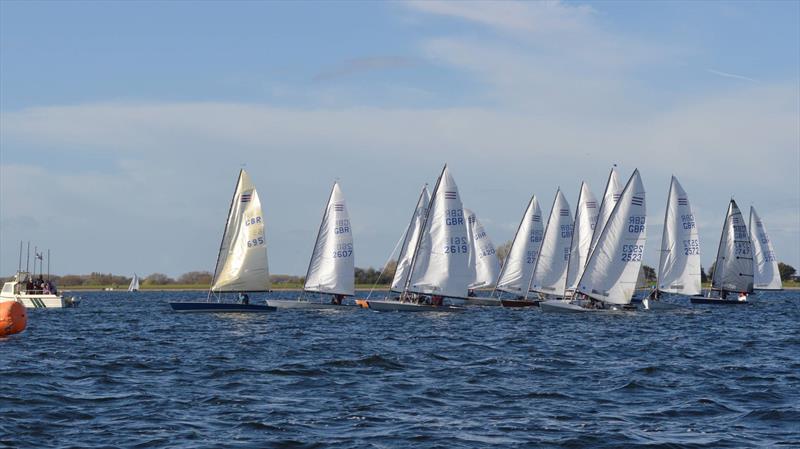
pixel 586 262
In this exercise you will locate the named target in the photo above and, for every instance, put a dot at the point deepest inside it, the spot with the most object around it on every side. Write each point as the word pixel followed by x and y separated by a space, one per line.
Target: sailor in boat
pixel 437 300
pixel 337 300
pixel 243 298
pixel 742 296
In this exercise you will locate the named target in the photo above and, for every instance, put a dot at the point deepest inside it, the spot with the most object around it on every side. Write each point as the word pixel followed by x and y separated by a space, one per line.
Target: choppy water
pixel 124 371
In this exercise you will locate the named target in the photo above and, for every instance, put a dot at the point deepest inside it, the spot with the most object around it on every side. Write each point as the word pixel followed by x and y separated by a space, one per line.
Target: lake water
pixel 122 370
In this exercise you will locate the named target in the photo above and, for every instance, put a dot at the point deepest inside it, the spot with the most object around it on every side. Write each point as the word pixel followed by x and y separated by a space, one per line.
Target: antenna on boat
pixel 48 264
pixel 28 257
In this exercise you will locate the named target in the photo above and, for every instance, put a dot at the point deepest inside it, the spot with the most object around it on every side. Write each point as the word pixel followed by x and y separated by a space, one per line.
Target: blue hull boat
pixel 219 307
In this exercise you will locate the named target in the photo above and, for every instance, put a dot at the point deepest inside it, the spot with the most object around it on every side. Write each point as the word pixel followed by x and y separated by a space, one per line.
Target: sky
pixel 123 125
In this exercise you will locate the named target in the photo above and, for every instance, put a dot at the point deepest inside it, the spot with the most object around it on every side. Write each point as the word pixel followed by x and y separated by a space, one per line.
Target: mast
pixel 405 235
pixel 572 239
pixel 539 256
pixel 222 241
pixel 510 248
pixel 421 234
pixel 28 258
pixel 316 241
pixel 664 236
pixel 48 264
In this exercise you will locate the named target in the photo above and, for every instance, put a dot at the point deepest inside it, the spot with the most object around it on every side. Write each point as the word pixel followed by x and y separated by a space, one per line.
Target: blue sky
pixel 123 124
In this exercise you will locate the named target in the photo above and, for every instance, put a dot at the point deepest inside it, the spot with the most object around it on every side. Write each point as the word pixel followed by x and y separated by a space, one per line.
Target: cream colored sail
pixel 331 269
pixel 585 220
pixel 242 260
pixel 440 264
pixel 410 241
pixel 679 264
pixel 515 275
pixel 733 270
pixel 765 264
pixel 483 261
pixel 550 273
pixel 613 266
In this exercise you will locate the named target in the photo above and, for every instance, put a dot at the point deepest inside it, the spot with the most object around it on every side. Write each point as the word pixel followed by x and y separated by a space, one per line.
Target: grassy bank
pixel 197 287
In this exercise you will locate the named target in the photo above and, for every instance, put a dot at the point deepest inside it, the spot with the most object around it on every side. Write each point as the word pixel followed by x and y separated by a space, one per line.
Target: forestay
pixel 483 262
pixel 331 269
pixel 765 265
pixel 679 262
pixel 242 260
pixel 733 269
pixel 440 264
pixel 410 241
pixel 586 214
pixel 610 197
pixel 517 270
pixel 550 272
pixel 613 266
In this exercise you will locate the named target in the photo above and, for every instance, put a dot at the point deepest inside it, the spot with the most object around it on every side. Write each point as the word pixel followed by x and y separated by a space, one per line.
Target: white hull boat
pixel 11 292
pixel 306 305
pixel 397 306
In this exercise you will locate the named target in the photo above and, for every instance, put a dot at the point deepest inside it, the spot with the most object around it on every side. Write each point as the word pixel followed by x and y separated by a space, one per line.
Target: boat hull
pixel 43 301
pixel 306 305
pixel 219 307
pixel 516 303
pixel 479 301
pixel 557 306
pixel 397 306
pixel 716 301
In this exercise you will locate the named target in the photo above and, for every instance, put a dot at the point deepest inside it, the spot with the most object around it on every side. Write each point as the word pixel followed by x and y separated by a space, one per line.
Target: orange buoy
pixel 13 318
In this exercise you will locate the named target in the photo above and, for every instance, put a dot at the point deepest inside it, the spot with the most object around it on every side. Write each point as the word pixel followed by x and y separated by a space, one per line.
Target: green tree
pixel 703 275
pixel 786 271
pixel 158 279
pixel 195 277
pixel 502 251
pixel 649 273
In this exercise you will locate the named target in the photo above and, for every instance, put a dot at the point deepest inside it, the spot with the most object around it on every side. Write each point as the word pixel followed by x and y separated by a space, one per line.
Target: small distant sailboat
pixel 612 269
pixel 134 287
pixel 331 270
pixel 242 259
pixel 550 270
pixel 765 264
pixel 439 265
pixel 679 262
pixel 733 270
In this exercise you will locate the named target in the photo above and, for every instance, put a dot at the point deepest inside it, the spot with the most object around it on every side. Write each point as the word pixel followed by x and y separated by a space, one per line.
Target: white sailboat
pixel 550 272
pixel 612 269
pixel 733 271
pixel 134 285
pixel 242 259
pixel 679 261
pixel 766 275
pixel 586 214
pixel 610 197
pixel 439 266
pixel 483 262
pixel 331 270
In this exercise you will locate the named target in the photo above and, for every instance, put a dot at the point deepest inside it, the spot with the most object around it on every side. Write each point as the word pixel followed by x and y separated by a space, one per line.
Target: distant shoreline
pixel 205 289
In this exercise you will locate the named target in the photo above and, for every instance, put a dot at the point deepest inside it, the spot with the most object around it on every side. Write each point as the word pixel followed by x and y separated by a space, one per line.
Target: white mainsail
pixel 613 266
pixel 610 197
pixel 331 269
pixel 483 261
pixel 410 241
pixel 679 264
pixel 733 270
pixel 550 272
pixel 440 265
pixel 517 270
pixel 134 286
pixel 242 260
pixel 765 264
pixel 586 214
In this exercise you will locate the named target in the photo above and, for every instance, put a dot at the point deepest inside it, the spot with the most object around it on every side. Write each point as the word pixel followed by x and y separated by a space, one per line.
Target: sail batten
pixel 332 269
pixel 679 261
pixel 242 260
pixel 517 270
pixel 766 275
pixel 549 274
pixel 613 267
